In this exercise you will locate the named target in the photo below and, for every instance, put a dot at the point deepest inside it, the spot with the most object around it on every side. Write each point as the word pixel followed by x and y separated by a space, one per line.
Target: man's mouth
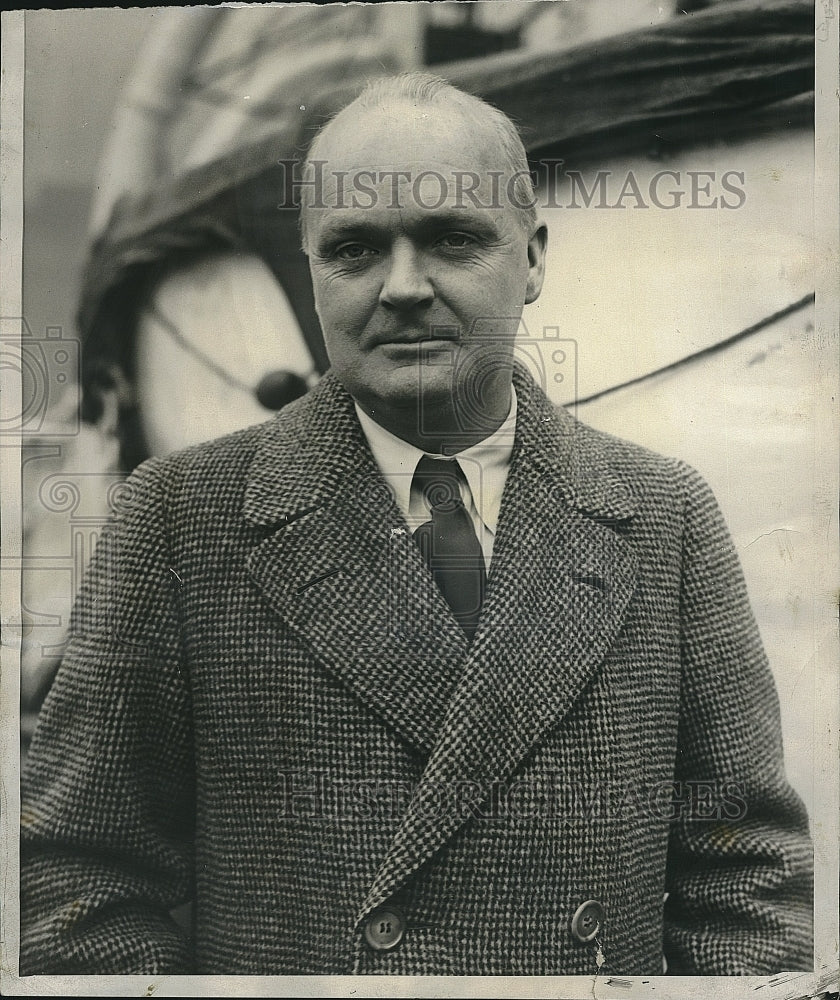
pixel 417 339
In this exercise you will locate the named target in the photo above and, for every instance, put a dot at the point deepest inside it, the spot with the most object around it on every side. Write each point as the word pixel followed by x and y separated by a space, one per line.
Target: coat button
pixel 385 928
pixel 587 920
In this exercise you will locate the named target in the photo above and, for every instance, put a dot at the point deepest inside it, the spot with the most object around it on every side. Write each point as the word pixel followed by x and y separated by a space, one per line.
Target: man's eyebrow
pixel 357 225
pixel 458 218
pixel 349 226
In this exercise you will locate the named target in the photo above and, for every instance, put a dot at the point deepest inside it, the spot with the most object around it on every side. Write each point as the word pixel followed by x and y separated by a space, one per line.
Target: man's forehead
pixel 425 190
pixel 402 136
pixel 406 172
pixel 422 159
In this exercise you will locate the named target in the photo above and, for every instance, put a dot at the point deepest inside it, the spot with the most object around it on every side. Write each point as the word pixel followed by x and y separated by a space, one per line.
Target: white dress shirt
pixel 484 465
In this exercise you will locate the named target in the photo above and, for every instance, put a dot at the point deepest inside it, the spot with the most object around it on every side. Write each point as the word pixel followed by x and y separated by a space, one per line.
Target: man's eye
pixel 352 251
pixel 456 241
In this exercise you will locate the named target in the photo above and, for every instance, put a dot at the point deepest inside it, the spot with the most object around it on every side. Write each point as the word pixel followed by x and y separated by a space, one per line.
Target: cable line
pixel 704 352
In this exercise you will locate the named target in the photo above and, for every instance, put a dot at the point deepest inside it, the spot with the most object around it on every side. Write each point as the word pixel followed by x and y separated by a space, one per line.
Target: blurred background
pixel 166 299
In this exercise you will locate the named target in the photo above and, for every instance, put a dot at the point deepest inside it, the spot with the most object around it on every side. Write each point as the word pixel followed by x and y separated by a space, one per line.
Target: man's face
pixel 419 284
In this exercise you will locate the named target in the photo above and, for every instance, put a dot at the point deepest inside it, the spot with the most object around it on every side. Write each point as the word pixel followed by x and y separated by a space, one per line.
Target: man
pixel 421 676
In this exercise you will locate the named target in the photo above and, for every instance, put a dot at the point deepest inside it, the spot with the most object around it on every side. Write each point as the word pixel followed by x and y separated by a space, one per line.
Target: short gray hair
pixel 426 89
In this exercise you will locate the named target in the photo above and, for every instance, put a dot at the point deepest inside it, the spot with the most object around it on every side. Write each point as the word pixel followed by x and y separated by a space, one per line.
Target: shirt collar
pixel 485 464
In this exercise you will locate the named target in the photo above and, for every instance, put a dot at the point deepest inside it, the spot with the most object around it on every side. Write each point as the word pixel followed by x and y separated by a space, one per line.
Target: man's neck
pixel 440 430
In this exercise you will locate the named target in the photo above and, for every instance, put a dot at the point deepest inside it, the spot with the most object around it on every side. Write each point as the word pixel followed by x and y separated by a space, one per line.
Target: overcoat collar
pixel 313 447
pixel 341 568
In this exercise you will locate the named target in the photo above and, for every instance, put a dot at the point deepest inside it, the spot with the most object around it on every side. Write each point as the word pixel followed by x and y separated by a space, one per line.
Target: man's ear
pixel 536 262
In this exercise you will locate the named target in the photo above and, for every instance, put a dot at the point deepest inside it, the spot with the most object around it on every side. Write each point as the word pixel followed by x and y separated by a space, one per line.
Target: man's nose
pixel 407 282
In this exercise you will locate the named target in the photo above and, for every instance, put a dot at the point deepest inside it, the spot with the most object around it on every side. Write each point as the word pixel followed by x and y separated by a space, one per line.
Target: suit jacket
pixel 266 706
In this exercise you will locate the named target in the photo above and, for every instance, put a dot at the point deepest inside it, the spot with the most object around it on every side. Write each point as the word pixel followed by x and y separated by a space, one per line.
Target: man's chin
pixel 418 386
pixel 429 394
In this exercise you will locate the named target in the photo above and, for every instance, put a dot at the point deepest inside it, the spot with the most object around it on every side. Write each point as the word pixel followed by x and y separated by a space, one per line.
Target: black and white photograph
pixel 420 559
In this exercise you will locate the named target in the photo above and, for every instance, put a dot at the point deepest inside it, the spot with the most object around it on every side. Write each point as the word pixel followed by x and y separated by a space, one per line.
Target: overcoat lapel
pixel 560 583
pixel 340 567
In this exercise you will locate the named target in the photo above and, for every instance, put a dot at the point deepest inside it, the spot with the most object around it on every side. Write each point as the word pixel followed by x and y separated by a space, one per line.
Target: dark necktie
pixel 448 542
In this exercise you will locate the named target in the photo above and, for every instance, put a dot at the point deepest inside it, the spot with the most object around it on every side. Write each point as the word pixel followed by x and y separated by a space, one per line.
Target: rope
pixel 705 352
pixel 721 345
pixel 196 352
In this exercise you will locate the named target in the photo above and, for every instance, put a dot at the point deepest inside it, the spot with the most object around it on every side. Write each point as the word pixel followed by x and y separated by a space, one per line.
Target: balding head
pixel 433 107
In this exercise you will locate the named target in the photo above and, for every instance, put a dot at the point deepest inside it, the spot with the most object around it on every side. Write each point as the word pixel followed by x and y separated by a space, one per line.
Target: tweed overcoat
pixel 267 707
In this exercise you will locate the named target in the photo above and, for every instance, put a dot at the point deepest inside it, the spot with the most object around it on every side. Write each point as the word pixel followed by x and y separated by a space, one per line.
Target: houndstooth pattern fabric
pixel 267 707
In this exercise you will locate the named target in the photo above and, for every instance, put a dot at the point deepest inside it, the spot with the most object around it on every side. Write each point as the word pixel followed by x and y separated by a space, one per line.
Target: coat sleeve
pixel 108 792
pixel 739 879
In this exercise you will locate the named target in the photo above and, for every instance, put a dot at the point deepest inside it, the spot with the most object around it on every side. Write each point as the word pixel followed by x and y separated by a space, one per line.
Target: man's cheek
pixel 339 313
